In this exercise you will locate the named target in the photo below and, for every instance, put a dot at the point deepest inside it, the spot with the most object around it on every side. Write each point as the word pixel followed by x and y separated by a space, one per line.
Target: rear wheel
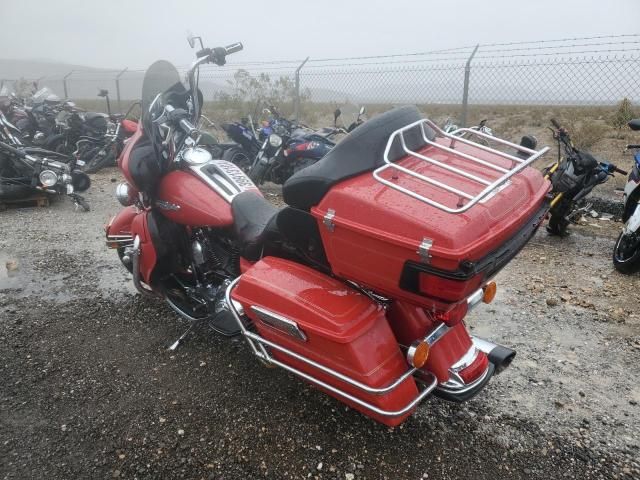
pixel 626 253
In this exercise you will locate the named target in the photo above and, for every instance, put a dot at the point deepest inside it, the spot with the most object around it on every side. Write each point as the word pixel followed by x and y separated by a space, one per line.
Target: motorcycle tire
pixel 239 158
pixel 99 162
pixel 623 262
pixel 558 222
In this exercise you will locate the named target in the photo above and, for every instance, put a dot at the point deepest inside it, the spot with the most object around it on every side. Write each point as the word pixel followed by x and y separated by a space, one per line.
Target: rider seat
pixel 254 222
pixel 262 229
pixel 360 151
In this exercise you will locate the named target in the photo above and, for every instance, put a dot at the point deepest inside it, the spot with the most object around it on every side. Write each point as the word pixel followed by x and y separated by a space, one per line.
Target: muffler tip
pixel 501 357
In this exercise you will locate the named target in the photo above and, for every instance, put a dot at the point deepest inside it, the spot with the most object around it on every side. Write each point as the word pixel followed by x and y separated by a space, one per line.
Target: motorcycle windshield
pixel 158 78
pixel 42 94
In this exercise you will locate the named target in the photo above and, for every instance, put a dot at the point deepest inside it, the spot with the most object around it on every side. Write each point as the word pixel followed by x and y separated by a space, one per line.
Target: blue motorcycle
pixel 279 148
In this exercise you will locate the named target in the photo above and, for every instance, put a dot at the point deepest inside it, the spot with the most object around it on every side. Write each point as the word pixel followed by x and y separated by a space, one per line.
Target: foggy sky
pixel 134 33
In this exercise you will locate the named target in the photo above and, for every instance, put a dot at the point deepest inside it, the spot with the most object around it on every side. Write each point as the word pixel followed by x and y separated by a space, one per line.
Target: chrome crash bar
pixel 258 345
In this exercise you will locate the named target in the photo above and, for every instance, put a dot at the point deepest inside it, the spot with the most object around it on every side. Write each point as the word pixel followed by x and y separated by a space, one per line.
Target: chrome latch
pixel 328 219
pixel 424 248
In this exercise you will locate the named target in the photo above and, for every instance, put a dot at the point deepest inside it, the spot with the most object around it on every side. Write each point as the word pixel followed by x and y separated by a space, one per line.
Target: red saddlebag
pixel 326 321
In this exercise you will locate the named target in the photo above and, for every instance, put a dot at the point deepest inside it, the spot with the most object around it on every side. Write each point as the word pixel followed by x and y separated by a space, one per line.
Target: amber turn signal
pixel 418 353
pixel 489 292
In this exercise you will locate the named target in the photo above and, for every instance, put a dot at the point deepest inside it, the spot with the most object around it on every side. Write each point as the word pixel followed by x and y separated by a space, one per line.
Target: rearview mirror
pixel 191 38
pixel 103 93
pixel 336 113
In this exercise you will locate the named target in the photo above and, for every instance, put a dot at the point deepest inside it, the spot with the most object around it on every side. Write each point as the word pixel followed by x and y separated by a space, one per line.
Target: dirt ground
pixel 89 389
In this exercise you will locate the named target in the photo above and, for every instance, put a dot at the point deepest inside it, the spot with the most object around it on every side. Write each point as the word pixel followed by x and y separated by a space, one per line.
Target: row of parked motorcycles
pixel 58 144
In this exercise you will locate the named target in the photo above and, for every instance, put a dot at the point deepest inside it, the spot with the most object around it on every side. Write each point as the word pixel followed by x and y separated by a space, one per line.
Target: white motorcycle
pixel 626 253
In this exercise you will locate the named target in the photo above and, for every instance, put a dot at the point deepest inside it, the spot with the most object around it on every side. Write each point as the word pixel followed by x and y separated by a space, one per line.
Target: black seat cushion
pixel 254 221
pixel 360 151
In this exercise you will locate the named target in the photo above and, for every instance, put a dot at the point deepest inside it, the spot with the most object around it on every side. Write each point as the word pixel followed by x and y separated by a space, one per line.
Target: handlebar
pixel 217 55
pixel 619 170
pixel 13 150
pixel 632 146
pixel 233 48
pixel 180 116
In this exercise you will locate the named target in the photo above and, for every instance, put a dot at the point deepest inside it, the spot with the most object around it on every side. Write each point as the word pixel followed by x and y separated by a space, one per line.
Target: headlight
pixel 275 140
pixel 122 194
pixel 48 178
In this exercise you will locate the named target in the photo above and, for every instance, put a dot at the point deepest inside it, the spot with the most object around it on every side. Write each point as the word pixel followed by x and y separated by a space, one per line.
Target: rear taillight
pixel 476 369
pixel 447 289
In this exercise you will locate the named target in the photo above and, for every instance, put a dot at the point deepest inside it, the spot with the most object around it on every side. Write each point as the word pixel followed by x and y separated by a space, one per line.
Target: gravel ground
pixel 89 389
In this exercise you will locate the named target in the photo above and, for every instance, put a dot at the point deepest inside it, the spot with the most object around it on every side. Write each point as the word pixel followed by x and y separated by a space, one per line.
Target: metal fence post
pixel 118 88
pixel 64 83
pixel 1 83
pixel 465 91
pixel 296 100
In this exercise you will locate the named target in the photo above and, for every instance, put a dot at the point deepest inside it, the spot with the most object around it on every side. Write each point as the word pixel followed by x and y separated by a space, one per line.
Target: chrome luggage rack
pixel 466 199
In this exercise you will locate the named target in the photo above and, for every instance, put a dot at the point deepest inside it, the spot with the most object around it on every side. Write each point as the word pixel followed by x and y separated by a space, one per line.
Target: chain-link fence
pixel 588 71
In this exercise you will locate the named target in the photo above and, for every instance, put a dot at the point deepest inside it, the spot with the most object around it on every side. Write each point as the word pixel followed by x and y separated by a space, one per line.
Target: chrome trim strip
pixel 475 298
pixel 385 413
pixel 455 387
pixel 280 323
pixel 436 334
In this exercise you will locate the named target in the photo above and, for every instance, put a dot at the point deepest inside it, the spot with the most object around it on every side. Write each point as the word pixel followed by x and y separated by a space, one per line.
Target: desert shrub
pixel 623 114
pixel 247 93
pixel 585 134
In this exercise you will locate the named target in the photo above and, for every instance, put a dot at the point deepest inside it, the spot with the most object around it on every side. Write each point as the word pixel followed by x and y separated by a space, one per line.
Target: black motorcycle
pixel 24 171
pixel 573 176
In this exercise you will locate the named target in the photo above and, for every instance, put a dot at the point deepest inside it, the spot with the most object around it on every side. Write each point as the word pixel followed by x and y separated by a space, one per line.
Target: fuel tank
pixel 201 194
pixel 188 200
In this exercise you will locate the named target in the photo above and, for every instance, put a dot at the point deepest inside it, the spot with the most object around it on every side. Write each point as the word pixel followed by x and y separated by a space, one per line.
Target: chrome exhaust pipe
pixel 499 355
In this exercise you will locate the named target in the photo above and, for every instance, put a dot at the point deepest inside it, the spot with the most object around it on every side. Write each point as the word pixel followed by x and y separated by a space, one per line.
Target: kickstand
pixel 178 342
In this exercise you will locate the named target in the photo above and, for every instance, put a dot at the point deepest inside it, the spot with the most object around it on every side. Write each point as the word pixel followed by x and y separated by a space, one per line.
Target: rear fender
pixel 632 194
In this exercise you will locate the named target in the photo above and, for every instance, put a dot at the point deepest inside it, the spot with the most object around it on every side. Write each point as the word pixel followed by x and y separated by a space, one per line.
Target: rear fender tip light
pixel 418 353
pixel 486 294
pixel 489 292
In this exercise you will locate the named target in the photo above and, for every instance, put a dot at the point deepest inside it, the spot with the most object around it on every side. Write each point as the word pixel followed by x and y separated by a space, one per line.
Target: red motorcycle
pixel 361 284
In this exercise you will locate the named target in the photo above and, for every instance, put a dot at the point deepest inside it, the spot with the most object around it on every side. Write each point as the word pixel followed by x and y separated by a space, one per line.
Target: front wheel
pixel 626 253
pixel 239 158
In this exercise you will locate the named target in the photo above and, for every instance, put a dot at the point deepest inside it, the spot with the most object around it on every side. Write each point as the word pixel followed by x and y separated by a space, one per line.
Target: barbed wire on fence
pixel 593 70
